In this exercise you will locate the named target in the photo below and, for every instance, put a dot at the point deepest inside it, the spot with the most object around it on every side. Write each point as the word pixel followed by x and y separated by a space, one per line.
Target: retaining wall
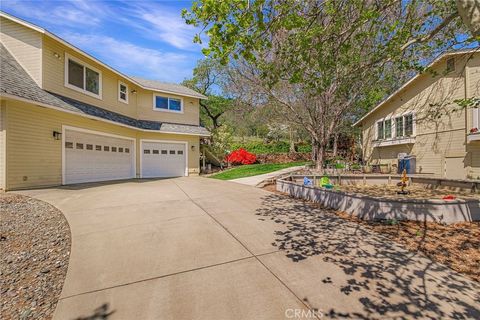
pixel 370 208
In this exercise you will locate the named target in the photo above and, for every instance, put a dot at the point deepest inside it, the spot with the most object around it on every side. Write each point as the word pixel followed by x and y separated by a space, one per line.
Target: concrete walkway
pixel 255 180
pixel 197 248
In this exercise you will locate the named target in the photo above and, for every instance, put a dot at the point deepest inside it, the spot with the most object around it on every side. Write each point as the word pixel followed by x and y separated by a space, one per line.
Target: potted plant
pixel 339 167
pixel 367 168
pixel 385 168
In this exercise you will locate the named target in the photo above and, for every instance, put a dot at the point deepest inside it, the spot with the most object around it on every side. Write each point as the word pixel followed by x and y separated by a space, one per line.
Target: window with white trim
pixel 161 103
pixel 122 92
pixel 82 77
pixel 384 129
pixel 404 126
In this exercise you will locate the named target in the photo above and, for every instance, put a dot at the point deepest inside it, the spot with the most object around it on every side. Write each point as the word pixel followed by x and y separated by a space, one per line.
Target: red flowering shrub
pixel 241 156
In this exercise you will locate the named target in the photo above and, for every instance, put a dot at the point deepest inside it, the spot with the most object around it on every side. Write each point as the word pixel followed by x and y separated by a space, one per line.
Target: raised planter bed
pixel 372 208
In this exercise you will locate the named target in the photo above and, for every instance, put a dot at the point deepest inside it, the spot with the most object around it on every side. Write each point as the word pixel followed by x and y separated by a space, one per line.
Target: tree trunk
pixel 335 144
pixel 320 155
pixel 292 143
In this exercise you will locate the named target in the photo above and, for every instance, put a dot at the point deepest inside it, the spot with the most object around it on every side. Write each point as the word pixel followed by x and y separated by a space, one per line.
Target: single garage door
pixel 94 157
pixel 163 159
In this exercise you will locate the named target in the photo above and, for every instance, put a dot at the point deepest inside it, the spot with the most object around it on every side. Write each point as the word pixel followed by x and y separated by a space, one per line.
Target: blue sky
pixel 139 38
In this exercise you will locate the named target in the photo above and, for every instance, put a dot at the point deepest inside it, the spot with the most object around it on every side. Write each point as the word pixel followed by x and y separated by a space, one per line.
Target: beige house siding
pixel 25 45
pixel 2 143
pixel 54 80
pixel 140 104
pixel 190 115
pixel 441 125
pixel 35 158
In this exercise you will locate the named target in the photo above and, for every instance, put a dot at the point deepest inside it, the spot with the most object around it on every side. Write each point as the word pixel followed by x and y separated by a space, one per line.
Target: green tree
pixel 209 78
pixel 319 60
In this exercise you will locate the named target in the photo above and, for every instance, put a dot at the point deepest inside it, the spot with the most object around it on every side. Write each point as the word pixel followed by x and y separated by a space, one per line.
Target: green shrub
pixel 260 147
pixel 355 166
pixel 339 166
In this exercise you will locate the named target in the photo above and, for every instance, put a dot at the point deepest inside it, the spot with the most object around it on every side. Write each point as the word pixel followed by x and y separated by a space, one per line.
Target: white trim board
pixel 163 141
pixel 100 133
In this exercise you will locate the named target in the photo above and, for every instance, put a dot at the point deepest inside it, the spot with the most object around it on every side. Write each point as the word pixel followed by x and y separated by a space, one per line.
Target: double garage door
pixel 93 157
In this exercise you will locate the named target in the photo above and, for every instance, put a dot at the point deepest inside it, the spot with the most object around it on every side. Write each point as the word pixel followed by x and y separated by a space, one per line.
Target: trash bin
pixel 408 163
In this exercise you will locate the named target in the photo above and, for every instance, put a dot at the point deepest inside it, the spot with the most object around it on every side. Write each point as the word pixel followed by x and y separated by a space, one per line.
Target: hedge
pixel 259 147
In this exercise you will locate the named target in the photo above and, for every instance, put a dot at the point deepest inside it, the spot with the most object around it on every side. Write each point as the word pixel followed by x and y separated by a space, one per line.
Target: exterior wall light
pixel 56 55
pixel 192 148
pixel 57 135
pixel 134 91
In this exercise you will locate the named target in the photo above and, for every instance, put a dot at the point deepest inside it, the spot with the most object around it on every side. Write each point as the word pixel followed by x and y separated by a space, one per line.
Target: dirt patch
pixel 35 248
pixel 416 192
pixel 455 245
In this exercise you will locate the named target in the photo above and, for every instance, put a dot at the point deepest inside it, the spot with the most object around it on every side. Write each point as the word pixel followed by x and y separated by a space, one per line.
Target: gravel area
pixel 35 248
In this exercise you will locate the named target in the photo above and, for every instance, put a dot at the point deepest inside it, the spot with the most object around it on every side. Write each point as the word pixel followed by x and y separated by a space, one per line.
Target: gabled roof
pixel 155 85
pixel 167 87
pixel 412 80
pixel 16 83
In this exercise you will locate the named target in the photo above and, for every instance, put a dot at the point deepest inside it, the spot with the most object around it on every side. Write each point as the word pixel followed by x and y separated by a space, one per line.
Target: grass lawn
pixel 254 170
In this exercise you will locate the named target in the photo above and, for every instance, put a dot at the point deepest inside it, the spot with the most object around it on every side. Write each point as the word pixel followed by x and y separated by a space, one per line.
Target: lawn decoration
pixel 449 197
pixel 325 182
pixel 403 183
pixel 307 182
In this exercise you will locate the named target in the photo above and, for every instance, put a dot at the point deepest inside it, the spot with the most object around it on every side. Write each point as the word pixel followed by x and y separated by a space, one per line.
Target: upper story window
pixel 404 126
pixel 161 103
pixel 82 77
pixel 450 65
pixel 384 129
pixel 122 92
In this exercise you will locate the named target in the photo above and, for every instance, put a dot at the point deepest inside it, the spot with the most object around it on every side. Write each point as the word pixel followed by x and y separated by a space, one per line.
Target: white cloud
pixel 164 24
pixel 73 13
pixel 135 60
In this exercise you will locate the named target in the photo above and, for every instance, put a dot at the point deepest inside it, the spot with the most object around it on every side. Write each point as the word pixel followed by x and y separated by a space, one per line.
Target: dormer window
pixel 161 103
pixel 82 77
pixel 450 65
pixel 122 92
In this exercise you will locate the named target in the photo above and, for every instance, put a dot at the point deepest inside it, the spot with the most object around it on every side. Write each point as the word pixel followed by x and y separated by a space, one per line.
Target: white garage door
pixel 92 157
pixel 162 159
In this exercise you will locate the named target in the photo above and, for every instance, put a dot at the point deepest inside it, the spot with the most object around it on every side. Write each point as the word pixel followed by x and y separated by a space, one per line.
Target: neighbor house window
pixel 122 92
pixel 380 130
pixel 404 126
pixel 82 77
pixel 384 129
pixel 450 65
pixel 167 104
pixel 399 127
pixel 388 129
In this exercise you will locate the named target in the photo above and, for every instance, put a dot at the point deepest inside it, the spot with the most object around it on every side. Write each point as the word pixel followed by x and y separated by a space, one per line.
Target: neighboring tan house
pixel 421 119
pixel 66 117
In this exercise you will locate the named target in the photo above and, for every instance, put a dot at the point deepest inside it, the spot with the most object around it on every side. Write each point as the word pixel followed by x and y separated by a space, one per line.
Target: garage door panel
pixel 162 159
pixel 93 157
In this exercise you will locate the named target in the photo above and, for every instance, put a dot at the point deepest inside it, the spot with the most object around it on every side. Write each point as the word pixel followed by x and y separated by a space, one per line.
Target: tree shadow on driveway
pixel 385 279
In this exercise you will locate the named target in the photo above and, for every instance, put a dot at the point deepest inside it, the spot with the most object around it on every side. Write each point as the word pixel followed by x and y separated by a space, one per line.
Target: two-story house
pixel 423 119
pixel 66 117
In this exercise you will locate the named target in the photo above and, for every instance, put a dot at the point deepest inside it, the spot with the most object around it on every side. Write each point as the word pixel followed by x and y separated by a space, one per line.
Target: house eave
pixel 44 105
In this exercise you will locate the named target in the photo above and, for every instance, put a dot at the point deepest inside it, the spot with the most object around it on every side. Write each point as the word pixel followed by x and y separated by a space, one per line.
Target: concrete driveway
pixel 197 248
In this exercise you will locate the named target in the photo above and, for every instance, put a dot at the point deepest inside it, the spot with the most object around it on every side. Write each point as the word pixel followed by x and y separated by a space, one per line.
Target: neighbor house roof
pixel 16 83
pixel 143 83
pixel 414 79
